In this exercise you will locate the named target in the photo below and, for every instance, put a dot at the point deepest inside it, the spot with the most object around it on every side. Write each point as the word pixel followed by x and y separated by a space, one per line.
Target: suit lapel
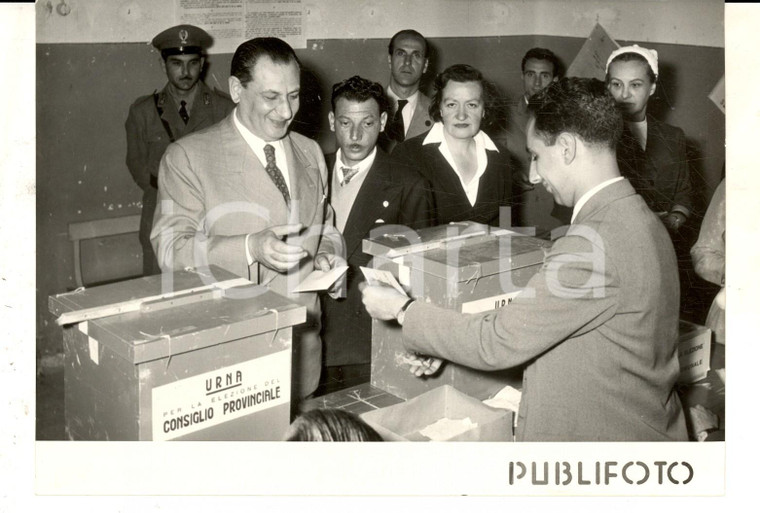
pixel 258 186
pixel 303 185
pixel 376 193
pixel 607 195
pixel 420 118
pixel 449 178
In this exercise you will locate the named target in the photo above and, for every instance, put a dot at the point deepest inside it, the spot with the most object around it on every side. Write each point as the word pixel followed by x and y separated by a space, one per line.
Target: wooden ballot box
pixel 193 355
pixel 464 267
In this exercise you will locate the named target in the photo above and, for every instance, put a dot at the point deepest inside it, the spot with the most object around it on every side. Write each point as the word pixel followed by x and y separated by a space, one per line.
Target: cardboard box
pixel 693 351
pixel 404 421
pixel 193 355
pixel 468 271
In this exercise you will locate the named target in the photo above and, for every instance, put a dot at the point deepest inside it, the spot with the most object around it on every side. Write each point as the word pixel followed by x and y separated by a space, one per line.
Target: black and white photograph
pixel 235 227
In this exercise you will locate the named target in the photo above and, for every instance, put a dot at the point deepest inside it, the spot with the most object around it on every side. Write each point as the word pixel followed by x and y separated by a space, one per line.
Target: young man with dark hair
pixel 183 106
pixel 597 326
pixel 539 68
pixel 408 112
pixel 368 190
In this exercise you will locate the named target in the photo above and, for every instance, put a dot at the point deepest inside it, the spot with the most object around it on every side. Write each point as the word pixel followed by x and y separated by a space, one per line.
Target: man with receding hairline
pixel 250 196
pixel 408 61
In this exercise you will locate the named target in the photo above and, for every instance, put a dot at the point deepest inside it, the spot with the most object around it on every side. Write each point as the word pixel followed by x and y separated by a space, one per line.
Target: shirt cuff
pixel 248 256
pixel 680 209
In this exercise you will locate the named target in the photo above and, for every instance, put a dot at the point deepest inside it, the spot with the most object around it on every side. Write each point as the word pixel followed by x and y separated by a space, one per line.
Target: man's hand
pixel 421 365
pixel 382 302
pixel 268 248
pixel 324 262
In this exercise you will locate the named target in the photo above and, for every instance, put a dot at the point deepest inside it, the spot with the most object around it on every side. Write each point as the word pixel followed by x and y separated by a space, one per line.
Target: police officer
pixel 184 105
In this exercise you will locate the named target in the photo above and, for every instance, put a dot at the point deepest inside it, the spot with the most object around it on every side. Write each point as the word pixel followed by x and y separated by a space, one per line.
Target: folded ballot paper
pixel 321 280
pixel 445 429
pixel 507 398
pixel 379 277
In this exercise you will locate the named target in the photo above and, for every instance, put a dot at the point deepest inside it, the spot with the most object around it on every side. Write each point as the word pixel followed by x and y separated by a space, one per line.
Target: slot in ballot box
pixel 464 267
pixel 199 354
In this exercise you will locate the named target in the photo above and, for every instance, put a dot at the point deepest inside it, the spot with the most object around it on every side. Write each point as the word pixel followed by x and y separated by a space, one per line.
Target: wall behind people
pixel 84 92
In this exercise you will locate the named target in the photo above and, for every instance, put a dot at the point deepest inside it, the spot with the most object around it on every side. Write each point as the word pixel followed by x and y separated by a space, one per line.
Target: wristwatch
pixel 402 313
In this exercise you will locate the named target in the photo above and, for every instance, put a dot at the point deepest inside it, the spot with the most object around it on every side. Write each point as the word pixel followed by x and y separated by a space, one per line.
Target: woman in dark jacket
pixel 469 175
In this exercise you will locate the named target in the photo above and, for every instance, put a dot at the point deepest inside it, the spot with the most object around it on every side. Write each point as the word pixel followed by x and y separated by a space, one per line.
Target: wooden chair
pixel 117 250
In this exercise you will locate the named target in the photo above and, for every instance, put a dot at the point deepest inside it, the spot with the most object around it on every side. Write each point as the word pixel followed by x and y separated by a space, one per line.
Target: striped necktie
pixel 275 174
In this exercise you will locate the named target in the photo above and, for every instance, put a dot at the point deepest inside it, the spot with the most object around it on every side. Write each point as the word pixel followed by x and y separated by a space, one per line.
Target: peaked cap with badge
pixel 182 39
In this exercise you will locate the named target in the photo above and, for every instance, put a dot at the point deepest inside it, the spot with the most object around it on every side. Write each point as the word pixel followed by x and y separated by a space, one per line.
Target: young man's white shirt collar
pixel 257 144
pixel 482 143
pixel 408 111
pixel 589 194
pixel 361 167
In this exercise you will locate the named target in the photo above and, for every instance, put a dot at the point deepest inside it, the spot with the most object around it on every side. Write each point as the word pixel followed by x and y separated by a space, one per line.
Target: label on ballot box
pixel 199 354
pixel 693 351
pixel 212 398
pixel 464 267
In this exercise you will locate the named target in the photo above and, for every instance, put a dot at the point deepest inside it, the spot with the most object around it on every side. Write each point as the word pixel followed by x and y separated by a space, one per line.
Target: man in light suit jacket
pixel 408 61
pixel 368 190
pixel 230 194
pixel 597 326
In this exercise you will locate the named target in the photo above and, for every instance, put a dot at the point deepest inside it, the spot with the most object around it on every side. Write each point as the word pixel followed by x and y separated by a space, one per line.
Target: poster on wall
pixel 718 94
pixel 233 21
pixel 591 61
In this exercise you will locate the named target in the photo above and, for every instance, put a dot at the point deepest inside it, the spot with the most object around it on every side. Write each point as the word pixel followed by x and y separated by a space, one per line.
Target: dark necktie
pixel 396 130
pixel 275 174
pixel 183 111
pixel 348 174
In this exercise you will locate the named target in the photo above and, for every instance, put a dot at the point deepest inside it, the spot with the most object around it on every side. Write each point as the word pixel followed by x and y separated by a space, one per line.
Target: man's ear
pixel 235 87
pixel 652 89
pixel 390 62
pixel 383 121
pixel 567 143
pixel 555 79
pixel 331 119
pixel 163 64
pixel 425 67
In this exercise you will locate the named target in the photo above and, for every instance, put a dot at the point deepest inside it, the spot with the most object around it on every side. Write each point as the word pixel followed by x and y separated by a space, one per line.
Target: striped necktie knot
pixel 348 174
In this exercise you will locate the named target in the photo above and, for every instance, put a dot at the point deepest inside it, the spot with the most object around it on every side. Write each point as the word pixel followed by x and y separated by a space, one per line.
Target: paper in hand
pixel 379 277
pixel 321 280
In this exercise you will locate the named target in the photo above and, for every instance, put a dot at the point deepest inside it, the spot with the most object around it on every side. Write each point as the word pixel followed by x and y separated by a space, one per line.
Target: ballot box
pixel 194 355
pixel 463 267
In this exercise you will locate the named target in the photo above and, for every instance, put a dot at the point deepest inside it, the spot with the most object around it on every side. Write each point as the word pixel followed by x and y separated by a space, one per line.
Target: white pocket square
pixel 377 221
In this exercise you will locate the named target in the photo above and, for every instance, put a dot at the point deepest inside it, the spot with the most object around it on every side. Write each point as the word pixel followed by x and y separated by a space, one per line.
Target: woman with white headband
pixel 651 154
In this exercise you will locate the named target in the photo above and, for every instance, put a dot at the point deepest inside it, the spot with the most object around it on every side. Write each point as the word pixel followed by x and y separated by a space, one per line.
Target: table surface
pixel 709 392
pixel 358 399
